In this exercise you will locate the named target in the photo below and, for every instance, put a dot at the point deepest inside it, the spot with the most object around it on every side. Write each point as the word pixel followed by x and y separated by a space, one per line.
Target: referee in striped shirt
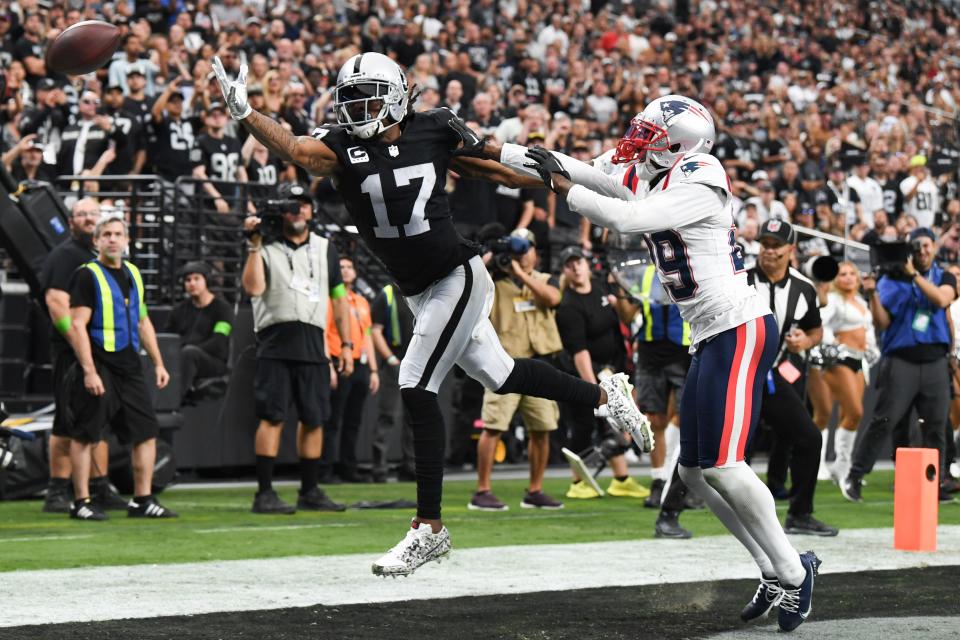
pixel 793 300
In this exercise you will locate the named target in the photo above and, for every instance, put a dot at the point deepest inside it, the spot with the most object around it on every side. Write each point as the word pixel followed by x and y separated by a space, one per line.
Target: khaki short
pixel 539 414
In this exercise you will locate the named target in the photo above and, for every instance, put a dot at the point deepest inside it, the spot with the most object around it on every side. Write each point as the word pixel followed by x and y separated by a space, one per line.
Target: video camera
pixel 271 210
pixel 888 258
pixel 505 250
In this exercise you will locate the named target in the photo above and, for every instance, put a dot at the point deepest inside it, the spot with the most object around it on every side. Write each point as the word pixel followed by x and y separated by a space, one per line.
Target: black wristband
pixel 346 345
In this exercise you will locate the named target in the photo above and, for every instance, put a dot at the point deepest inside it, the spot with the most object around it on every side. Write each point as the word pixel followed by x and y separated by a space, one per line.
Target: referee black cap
pixel 779 229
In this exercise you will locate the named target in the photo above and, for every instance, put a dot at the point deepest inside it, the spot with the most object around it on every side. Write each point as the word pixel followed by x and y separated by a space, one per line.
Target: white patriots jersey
pixel 691 235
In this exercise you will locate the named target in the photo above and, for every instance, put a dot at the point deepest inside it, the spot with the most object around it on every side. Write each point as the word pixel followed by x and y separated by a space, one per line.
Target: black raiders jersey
pixel 170 143
pixel 221 156
pixel 395 195
pixel 267 175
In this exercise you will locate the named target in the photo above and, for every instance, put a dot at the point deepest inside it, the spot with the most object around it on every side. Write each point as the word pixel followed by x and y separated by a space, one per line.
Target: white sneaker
pixel 623 413
pixel 417 548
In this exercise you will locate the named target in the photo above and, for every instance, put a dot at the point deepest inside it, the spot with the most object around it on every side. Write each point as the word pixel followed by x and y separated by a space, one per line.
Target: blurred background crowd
pixel 840 119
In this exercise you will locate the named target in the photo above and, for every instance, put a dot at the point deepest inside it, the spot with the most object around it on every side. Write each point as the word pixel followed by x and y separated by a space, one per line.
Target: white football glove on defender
pixel 234 91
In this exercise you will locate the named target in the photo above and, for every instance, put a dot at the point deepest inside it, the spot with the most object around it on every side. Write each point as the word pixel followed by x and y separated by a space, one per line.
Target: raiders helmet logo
pixel 774 225
pixel 393 150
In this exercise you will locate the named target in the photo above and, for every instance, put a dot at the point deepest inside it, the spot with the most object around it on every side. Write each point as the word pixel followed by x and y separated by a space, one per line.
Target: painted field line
pixel 280 527
pixel 45 538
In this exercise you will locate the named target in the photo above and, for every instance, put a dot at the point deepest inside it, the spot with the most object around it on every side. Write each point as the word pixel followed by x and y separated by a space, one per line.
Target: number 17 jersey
pixel 395 195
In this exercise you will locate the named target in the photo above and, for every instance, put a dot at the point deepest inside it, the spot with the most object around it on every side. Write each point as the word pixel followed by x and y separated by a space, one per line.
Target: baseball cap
pixel 293 191
pixel 779 229
pixel 216 106
pixel 524 234
pixel 572 252
pixel 922 232
pixel 35 145
pixel 135 67
pixel 918 160
pixel 113 86
pixel 836 165
pixel 805 209
pixel 252 20
pixel 46 84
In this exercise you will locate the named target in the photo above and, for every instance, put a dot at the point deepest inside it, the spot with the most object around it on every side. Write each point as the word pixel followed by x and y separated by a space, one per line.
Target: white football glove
pixel 235 91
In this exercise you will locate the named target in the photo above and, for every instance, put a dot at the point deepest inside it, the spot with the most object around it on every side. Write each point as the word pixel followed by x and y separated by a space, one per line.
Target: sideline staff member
pixel 291 279
pixel 524 317
pixel 108 323
pixel 909 310
pixel 58 270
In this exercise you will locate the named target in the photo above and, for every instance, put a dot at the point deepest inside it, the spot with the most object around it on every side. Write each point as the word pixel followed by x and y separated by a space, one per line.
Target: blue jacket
pixel 904 301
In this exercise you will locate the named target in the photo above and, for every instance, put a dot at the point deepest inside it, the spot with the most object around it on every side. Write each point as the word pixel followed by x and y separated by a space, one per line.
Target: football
pixel 83 47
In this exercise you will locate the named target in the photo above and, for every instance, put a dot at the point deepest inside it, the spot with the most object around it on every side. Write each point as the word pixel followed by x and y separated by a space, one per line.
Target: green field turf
pixel 216 524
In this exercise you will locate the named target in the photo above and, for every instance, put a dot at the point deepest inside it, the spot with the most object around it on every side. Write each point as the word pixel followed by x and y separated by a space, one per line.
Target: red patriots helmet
pixel 664 131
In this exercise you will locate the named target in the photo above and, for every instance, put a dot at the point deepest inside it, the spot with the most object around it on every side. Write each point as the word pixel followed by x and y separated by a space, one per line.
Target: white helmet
pixel 370 87
pixel 664 131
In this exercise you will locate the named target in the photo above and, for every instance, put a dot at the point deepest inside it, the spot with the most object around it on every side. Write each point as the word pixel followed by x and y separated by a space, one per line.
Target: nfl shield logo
pixel 393 151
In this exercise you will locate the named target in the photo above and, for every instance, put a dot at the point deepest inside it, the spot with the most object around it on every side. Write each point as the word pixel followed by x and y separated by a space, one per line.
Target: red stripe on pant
pixel 731 402
pixel 748 388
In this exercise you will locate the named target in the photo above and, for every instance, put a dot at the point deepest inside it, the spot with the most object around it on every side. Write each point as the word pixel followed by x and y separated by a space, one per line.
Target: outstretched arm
pixel 309 153
pixel 494 172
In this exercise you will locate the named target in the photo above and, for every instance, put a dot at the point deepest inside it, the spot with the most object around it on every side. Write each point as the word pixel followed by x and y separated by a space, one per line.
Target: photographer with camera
pixel 292 274
pixel 523 315
pixel 908 305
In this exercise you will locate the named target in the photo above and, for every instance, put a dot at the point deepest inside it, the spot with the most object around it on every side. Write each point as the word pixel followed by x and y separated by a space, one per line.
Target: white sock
pixel 693 478
pixel 659 473
pixel 672 437
pixel 753 504
pixel 843 442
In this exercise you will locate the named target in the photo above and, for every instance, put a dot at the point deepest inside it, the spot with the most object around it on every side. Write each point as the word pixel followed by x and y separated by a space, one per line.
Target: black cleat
pixel 59 499
pixel 317 500
pixel 106 497
pixel 766 598
pixel 656 495
pixel 668 526
pixel 851 488
pixel 269 502
pixel 148 507
pixel 808 525
pixel 86 509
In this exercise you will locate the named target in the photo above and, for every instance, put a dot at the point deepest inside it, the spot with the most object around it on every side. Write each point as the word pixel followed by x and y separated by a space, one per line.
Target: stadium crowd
pixel 841 120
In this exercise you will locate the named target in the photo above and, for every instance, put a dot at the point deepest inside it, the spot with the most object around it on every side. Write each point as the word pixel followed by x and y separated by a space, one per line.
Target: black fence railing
pixel 173 223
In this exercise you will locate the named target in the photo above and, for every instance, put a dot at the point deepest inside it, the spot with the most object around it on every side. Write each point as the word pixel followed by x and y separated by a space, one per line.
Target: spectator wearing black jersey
pixel 132 142
pixel 204 323
pixel 170 135
pixel 47 118
pixel 85 141
pixel 216 158
pixel 264 169
pixel 29 48
pixel 135 99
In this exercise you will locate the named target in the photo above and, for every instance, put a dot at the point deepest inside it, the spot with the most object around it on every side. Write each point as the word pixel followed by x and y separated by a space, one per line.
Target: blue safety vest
pixel 115 324
pixel 905 302
pixel 660 321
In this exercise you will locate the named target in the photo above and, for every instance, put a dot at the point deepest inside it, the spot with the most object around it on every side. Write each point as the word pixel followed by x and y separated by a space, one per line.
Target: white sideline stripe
pixel 243 585
pixel 254 529
pixel 44 538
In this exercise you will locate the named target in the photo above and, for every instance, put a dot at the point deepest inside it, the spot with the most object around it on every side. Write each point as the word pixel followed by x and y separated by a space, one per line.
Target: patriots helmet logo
pixel 670 109
pixel 692 165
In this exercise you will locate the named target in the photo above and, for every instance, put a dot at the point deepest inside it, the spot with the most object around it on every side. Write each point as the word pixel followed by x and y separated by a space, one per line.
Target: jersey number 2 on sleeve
pixel 373 187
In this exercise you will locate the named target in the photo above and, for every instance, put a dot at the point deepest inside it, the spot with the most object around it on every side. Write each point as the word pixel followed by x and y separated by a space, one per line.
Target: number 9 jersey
pixel 395 194
pixel 687 220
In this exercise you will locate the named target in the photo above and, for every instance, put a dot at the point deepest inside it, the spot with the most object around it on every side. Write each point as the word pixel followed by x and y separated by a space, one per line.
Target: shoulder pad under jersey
pixel 700 168
pixel 603 162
